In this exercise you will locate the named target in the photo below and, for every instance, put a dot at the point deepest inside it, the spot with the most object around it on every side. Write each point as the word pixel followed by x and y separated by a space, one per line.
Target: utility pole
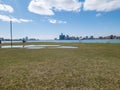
pixel 11 32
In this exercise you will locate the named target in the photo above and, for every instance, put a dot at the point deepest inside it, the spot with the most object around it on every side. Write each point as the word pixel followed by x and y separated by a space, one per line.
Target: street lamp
pixel 11 32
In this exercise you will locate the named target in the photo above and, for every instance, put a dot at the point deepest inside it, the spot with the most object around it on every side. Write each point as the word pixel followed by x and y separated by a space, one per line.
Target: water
pixel 67 47
pixel 70 41
pixel 36 46
pixel 100 41
pixel 15 46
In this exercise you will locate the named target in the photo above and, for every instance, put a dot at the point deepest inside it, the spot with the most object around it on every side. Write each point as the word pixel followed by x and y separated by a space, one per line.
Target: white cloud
pixel 7 19
pixel 98 14
pixel 47 7
pixel 7 8
pixel 102 5
pixel 25 20
pixel 39 7
pixel 54 21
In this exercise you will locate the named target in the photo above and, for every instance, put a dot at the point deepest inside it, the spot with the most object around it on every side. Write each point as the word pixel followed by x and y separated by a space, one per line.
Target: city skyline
pixel 44 19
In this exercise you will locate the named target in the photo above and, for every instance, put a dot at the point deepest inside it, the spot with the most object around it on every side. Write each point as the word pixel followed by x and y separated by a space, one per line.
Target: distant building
pixel 1 38
pixel 67 37
pixel 100 37
pixel 91 37
pixel 61 37
pixel 26 38
pixel 86 37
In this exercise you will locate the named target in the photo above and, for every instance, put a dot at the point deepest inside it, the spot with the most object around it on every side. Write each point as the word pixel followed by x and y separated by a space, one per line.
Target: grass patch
pixel 89 67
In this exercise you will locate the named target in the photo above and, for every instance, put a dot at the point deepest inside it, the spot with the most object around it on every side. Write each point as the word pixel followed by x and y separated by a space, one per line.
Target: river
pixel 70 41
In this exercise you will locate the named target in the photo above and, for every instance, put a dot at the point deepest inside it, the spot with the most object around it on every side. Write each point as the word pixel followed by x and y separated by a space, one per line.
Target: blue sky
pixel 46 19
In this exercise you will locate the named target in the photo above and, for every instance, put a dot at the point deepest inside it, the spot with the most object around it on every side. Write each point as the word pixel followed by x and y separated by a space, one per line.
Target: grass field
pixel 88 67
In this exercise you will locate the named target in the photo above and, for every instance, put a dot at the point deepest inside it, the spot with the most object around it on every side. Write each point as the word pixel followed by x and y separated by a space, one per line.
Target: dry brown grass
pixel 90 67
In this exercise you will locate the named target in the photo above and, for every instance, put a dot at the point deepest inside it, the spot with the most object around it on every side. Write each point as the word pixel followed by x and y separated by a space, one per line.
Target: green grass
pixel 89 67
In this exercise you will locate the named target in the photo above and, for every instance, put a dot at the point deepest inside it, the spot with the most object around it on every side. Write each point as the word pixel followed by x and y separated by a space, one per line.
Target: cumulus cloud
pixel 47 7
pixel 7 19
pixel 101 5
pixel 39 7
pixel 7 8
pixel 54 21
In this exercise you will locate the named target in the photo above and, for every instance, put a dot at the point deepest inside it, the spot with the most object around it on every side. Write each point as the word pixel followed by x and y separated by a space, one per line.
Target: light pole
pixel 11 32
